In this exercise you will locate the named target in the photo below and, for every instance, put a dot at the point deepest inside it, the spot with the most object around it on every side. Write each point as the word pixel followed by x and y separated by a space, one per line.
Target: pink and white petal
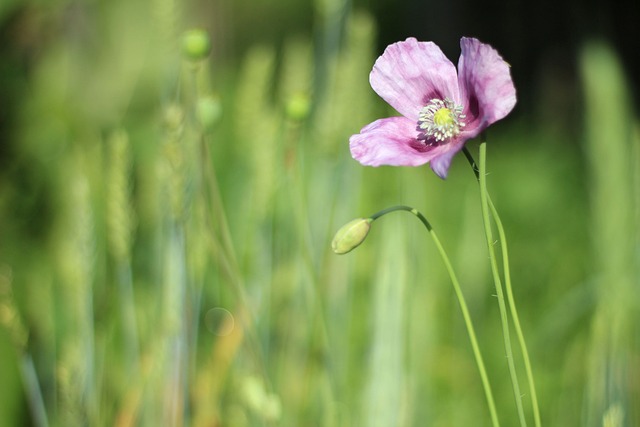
pixel 391 141
pixel 410 73
pixel 485 84
pixel 440 163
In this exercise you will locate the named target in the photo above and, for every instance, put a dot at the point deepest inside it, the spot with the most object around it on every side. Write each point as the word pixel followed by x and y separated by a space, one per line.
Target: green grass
pixel 157 268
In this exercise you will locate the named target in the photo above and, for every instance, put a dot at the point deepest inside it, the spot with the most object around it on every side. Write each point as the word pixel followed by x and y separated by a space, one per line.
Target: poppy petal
pixel 410 73
pixel 485 85
pixel 391 141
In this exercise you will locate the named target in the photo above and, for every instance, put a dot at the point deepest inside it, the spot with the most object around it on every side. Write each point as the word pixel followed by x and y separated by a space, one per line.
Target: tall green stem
pixel 484 197
pixel 461 301
pixel 510 298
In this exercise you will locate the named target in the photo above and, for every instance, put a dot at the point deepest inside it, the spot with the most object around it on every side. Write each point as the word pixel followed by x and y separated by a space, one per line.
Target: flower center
pixel 440 120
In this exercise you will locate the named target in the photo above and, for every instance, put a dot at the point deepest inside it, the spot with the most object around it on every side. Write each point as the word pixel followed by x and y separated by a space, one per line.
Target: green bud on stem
pixel 298 106
pixel 209 110
pixel 196 44
pixel 351 235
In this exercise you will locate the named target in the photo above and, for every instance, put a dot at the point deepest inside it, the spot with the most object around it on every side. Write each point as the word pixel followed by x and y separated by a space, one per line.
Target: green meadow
pixel 166 224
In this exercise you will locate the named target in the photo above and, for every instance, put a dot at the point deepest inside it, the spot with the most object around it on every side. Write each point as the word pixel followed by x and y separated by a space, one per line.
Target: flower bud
pixel 196 44
pixel 298 106
pixel 351 235
pixel 173 117
pixel 209 111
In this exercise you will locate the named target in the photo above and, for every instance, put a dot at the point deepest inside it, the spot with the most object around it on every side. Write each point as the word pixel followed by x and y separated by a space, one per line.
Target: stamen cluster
pixel 440 120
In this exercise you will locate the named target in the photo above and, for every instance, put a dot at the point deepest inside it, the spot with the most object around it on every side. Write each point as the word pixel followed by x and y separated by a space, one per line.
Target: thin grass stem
pixel 34 393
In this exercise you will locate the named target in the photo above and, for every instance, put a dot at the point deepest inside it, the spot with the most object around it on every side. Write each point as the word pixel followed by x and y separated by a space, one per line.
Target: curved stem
pixel 461 301
pixel 496 280
pixel 510 298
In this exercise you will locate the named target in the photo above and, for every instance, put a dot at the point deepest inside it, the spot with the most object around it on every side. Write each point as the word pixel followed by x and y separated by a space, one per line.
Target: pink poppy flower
pixel 441 108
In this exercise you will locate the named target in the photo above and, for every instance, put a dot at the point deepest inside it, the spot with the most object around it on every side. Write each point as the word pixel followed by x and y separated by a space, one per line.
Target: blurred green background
pixel 165 221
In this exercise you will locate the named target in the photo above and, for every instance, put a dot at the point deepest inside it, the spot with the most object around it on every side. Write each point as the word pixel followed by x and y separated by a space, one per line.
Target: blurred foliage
pixel 166 220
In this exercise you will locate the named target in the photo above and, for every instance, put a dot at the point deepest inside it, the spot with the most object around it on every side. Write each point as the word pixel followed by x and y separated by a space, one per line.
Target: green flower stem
pixel 510 298
pixel 496 279
pixel 461 301
pixel 34 393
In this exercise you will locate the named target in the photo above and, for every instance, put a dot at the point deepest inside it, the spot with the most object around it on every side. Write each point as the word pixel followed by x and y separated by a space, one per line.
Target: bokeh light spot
pixel 219 321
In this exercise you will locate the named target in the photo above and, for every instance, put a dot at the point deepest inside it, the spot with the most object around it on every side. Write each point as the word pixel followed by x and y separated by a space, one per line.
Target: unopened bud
pixel 351 235
pixel 173 117
pixel 196 44
pixel 298 106
pixel 209 111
